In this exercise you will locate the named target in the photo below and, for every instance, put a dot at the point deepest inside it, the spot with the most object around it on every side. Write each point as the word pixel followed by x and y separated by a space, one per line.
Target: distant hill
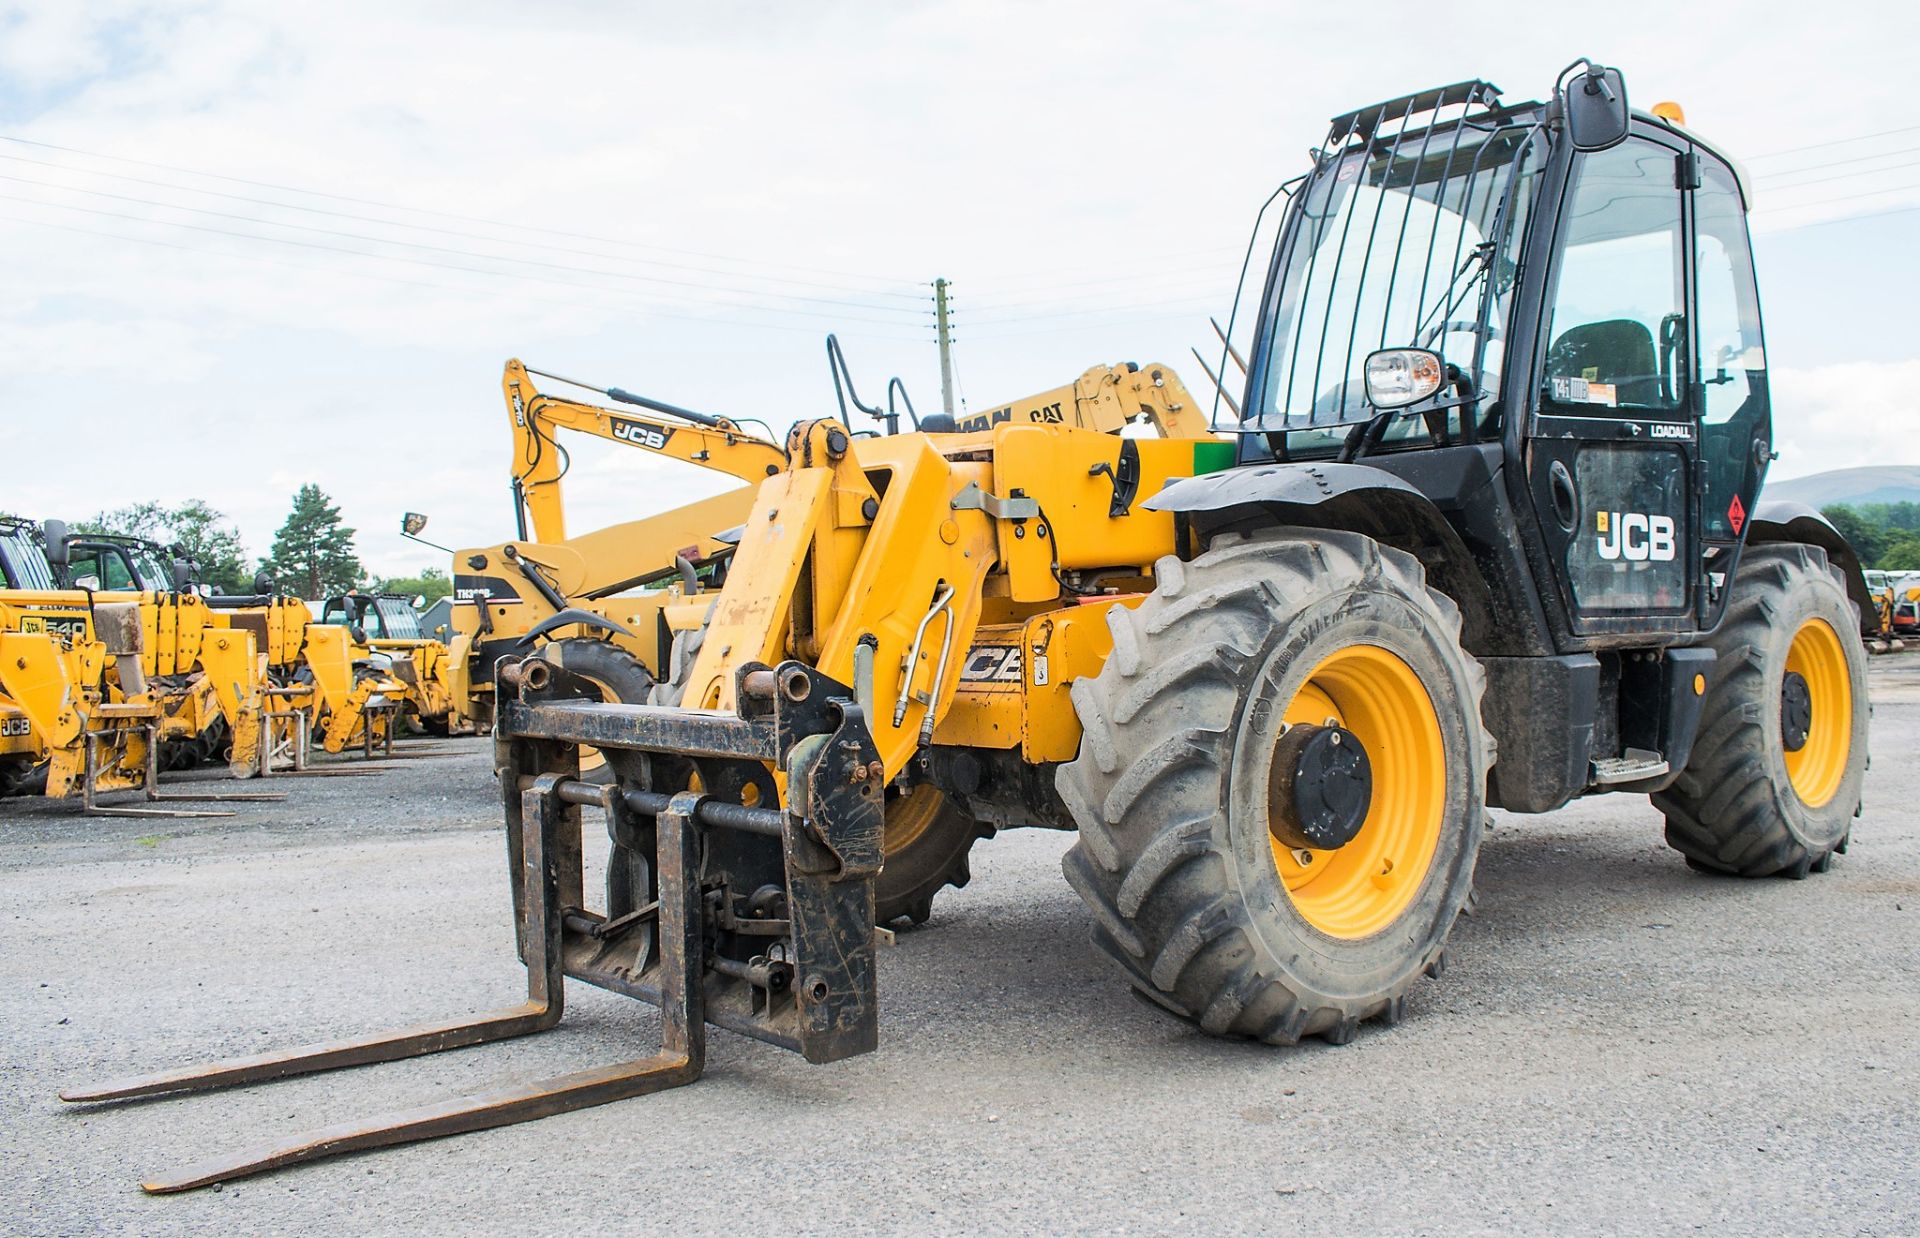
pixel 1885 483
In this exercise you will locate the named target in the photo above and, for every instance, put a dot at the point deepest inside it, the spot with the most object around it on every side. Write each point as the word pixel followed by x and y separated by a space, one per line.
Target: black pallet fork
pixel 693 924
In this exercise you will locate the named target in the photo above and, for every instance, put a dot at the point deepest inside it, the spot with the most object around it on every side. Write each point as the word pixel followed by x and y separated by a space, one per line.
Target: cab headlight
pixel 1397 377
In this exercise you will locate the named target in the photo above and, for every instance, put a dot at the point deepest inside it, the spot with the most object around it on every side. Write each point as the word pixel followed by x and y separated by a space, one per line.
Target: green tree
pixel 313 549
pixel 213 543
pixel 1902 555
pixel 1867 536
pixel 146 519
pixel 1894 515
pixel 431 583
pixel 203 535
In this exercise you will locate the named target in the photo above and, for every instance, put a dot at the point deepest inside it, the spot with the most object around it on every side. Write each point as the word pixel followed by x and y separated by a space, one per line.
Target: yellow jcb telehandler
pixel 94 684
pixel 608 604
pixel 208 680
pixel 387 644
pixel 1488 531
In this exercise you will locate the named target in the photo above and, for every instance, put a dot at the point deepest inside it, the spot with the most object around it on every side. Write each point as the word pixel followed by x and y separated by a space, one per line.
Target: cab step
pixel 1634 765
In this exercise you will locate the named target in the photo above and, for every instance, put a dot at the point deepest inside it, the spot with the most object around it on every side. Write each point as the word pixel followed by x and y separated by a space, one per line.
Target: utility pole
pixel 946 344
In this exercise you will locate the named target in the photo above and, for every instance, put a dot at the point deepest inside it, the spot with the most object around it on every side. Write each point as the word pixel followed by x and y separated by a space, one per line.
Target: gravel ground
pixel 1619 1044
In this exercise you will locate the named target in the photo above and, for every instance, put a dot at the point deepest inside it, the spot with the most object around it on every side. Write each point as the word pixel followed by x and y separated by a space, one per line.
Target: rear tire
pixel 14 772
pixel 924 847
pixel 1191 896
pixel 1745 805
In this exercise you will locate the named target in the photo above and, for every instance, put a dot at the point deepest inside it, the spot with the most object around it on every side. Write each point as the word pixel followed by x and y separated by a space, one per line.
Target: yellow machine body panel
pixel 1013 688
pixel 56 687
pixel 874 560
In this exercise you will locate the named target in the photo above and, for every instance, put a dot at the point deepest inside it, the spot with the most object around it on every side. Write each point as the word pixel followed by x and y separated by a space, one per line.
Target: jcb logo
pixel 14 728
pixel 1635 536
pixel 653 438
pixel 992 664
pixel 71 628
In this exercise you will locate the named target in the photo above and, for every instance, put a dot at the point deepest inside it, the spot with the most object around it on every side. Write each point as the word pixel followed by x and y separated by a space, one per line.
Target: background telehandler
pixel 594 598
pixel 1487 532
pixel 95 684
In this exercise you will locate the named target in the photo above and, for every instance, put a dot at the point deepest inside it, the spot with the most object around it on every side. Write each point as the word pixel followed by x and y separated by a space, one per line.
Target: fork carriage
pixel 719 910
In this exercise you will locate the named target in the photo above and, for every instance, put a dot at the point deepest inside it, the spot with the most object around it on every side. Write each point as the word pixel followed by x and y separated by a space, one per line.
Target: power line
pixel 1052 295
pixel 1038 277
pixel 417 245
pixel 1832 142
pixel 1091 313
pixel 647 310
pixel 1083 326
pixel 425 262
pixel 1845 197
pixel 1845 219
pixel 1098 309
pixel 430 228
pixel 1773 178
pixel 420 210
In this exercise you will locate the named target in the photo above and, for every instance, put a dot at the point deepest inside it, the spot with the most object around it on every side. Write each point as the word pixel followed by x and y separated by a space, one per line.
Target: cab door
pixel 1613 445
pixel 1730 376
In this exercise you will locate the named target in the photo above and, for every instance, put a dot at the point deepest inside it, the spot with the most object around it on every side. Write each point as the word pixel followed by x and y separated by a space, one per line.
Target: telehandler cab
pixel 1488 532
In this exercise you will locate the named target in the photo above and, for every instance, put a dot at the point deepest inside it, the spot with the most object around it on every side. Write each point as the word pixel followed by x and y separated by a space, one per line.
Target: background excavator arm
pixel 540 462
pixel 1105 399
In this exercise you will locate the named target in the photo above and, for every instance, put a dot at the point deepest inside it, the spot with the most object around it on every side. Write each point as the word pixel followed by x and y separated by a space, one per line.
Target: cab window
pixel 1732 370
pixel 105 565
pixel 1618 327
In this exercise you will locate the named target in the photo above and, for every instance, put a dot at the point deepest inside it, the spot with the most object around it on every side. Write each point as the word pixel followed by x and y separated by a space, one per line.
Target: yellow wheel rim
pixel 908 817
pixel 1818 657
pixel 1361 888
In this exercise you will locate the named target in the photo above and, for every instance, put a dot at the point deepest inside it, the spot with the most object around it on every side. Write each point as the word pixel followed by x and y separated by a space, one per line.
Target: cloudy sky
pixel 254 245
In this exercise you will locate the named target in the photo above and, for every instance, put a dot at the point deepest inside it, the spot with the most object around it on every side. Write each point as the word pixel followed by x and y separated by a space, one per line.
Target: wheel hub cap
pixel 1320 789
pixel 1796 711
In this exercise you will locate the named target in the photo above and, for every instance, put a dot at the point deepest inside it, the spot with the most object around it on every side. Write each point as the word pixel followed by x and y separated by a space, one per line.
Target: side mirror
pixel 1595 103
pixel 419 601
pixel 263 582
pixel 90 583
pixel 182 575
pixel 55 531
pixel 412 522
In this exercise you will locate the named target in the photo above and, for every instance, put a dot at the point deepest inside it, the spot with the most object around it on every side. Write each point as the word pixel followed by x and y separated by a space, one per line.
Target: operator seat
pixel 1618 351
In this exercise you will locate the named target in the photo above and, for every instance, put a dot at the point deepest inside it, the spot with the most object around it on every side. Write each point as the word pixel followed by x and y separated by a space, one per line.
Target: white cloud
pixel 1085 172
pixel 1840 416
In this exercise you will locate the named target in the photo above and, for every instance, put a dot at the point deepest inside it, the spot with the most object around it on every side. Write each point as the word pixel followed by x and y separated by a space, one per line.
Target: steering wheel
pixel 1451 325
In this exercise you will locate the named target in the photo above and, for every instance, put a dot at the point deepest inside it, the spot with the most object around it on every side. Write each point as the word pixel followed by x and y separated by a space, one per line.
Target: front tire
pixel 1192 893
pixel 1773 782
